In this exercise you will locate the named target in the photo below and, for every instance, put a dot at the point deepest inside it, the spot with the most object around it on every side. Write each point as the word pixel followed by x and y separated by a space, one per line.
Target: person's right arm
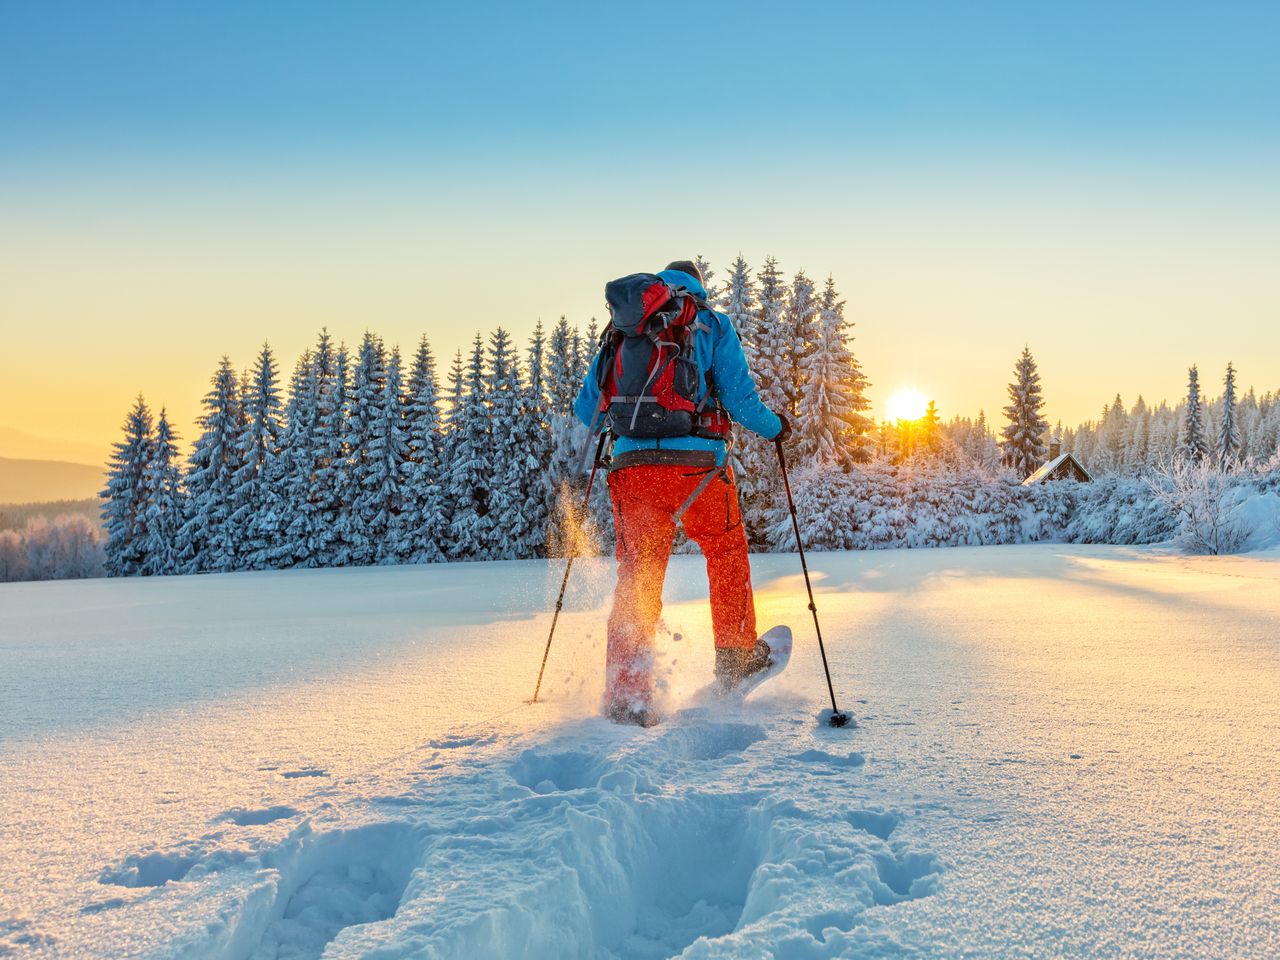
pixel 735 386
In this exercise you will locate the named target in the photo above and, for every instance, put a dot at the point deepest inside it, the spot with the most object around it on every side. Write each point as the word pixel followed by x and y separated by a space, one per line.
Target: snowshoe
pixel 629 713
pixel 741 670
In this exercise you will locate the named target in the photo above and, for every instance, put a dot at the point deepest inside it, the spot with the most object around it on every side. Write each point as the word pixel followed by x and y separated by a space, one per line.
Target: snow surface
pixel 1060 751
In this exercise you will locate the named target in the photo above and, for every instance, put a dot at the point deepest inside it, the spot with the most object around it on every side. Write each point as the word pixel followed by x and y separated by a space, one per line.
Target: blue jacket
pixel 717 349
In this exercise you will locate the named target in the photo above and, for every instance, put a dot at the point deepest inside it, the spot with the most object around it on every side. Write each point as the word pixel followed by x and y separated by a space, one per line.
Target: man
pixel 656 482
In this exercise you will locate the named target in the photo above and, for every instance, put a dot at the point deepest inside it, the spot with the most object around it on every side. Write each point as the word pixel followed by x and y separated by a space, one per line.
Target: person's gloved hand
pixel 785 431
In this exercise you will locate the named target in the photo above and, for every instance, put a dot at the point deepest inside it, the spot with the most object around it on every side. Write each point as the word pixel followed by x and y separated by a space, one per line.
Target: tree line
pixel 364 459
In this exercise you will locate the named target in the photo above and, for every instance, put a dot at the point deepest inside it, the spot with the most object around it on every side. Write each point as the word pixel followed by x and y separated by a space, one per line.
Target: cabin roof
pixel 1047 471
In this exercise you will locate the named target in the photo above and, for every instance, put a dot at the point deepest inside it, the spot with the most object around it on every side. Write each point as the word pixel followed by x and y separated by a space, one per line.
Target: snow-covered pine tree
pixel 985 450
pixel 560 385
pixel 424 519
pixel 207 541
pixel 759 480
pixel 259 446
pixel 469 466
pixel 1249 417
pixel 292 511
pixel 1138 439
pixel 739 304
pixel 704 267
pixel 1229 426
pixel 511 466
pixel 330 477
pixel 385 488
pixel 567 440
pixel 772 339
pixel 1162 440
pixel 358 530
pixel 1113 435
pixel 930 440
pixel 802 332
pixel 1023 445
pixel 1194 444
pixel 533 437
pixel 831 427
pixel 126 495
pixel 165 511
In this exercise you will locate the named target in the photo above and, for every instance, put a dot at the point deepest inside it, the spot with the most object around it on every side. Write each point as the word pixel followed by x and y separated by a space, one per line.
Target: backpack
pixel 648 373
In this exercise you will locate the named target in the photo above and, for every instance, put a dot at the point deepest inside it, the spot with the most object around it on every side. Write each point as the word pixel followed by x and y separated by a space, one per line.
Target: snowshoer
pixel 669 376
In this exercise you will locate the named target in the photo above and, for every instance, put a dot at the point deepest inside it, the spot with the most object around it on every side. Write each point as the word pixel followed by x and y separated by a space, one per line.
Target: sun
pixel 906 404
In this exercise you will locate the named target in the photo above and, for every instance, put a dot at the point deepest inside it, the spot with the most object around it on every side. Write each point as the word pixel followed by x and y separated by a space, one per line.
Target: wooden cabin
pixel 1059 466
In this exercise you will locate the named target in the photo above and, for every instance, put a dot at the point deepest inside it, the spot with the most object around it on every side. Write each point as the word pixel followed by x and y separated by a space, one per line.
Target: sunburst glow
pixel 906 404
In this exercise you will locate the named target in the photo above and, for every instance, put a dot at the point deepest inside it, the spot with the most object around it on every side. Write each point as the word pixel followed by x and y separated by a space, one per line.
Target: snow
pixel 1061 750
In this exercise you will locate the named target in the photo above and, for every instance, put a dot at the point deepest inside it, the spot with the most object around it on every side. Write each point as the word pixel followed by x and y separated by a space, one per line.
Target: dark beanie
pixel 687 266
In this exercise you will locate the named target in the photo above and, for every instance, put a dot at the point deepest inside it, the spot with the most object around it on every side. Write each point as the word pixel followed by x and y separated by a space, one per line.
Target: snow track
pixel 598 843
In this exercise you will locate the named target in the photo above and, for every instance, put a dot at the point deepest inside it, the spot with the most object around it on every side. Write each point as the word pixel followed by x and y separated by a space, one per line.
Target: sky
pixel 1097 181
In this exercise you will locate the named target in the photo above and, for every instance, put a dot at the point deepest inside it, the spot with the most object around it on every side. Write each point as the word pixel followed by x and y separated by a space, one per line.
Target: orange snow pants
pixel 645 500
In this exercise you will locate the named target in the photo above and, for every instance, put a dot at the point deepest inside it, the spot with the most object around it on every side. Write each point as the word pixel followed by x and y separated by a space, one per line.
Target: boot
pixel 735 664
pixel 630 713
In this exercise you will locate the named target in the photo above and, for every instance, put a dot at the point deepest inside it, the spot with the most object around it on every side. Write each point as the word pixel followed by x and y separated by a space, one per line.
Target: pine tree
pixel 1194 445
pixel 772 339
pixel 293 539
pixel 561 385
pixel 1229 428
pixel 769 354
pixel 358 531
pixel 930 443
pixel 259 446
pixel 166 509
pixel 802 332
pixel 207 542
pixel 469 468
pixel 424 519
pixel 1023 445
pixel 739 304
pixel 331 489
pixel 385 492
pixel 985 451
pixel 1138 440
pixel 1113 434
pixel 704 267
pixel 511 465
pixel 126 496
pixel 831 427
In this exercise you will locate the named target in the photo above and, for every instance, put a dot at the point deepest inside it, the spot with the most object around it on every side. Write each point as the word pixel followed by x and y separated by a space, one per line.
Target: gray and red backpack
pixel 648 373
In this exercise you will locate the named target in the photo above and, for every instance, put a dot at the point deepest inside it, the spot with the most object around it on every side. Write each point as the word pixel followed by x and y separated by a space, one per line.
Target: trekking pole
pixel 586 505
pixel 838 718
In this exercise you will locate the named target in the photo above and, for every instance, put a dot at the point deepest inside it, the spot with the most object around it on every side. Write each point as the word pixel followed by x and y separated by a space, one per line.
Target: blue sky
pixel 189 178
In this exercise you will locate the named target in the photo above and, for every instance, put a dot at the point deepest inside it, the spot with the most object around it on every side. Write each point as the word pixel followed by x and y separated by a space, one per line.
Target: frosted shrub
pixel 880 506
pixel 66 547
pixel 1201 496
pixel 13 559
pixel 1119 509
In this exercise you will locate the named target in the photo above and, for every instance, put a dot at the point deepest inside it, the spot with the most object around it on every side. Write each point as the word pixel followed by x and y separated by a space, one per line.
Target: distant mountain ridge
pixel 21 445
pixel 37 481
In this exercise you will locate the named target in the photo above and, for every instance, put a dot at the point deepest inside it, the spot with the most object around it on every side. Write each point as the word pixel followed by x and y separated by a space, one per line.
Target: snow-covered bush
pixel 881 506
pixel 1206 498
pixel 61 548
pixel 1119 509
pixel 13 558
